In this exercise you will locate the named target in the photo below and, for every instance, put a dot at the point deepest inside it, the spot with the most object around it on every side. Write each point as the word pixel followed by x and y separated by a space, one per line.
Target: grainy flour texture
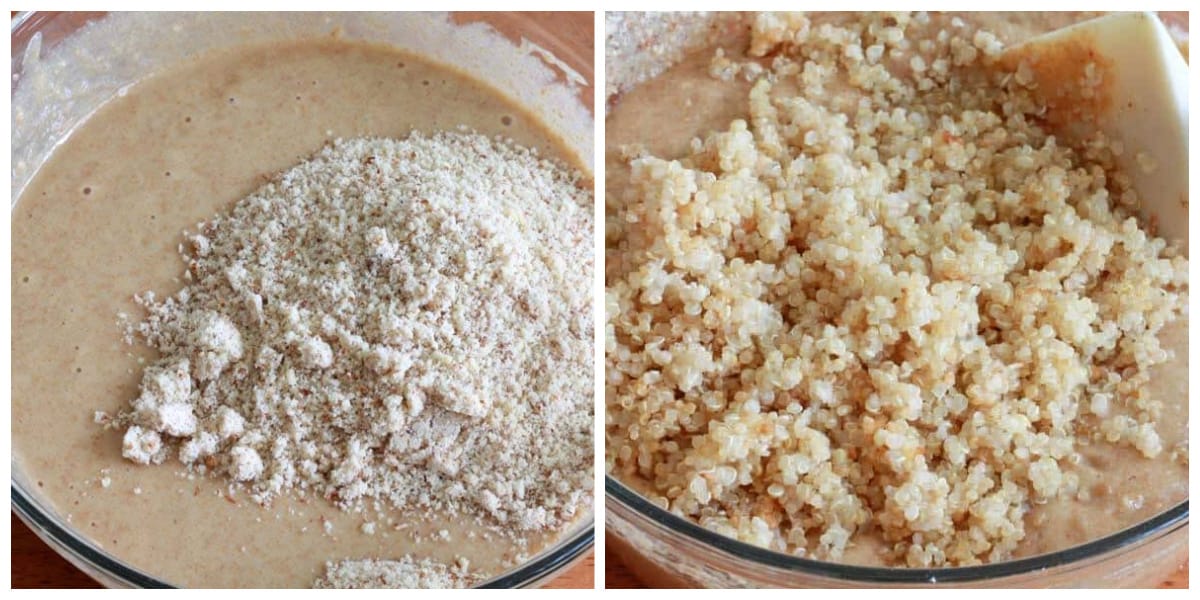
pixel 405 322
pixel 405 573
pixel 887 301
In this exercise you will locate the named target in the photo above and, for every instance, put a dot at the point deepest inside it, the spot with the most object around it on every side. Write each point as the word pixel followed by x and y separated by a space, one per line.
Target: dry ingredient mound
pixel 888 301
pixel 404 573
pixel 406 321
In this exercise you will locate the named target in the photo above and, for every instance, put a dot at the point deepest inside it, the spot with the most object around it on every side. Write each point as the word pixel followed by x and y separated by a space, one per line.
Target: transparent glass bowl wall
pixel 665 550
pixel 110 571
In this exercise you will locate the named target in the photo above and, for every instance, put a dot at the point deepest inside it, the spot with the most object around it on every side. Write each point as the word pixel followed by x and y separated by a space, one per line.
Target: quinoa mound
pixel 890 299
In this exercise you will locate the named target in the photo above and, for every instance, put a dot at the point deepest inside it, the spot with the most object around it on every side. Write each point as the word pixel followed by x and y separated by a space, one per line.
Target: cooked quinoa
pixel 887 300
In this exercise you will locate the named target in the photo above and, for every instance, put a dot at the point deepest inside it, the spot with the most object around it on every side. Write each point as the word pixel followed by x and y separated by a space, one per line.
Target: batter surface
pixel 101 221
pixel 662 116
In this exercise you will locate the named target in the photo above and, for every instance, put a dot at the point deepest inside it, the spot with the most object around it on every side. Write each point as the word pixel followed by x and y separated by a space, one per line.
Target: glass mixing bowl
pixel 565 108
pixel 665 550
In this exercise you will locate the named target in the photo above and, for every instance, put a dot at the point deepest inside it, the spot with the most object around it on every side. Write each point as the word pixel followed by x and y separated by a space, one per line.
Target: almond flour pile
pixel 887 301
pixel 405 573
pixel 399 321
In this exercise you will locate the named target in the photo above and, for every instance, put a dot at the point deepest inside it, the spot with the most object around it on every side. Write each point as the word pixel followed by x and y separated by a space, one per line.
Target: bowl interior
pixel 66 65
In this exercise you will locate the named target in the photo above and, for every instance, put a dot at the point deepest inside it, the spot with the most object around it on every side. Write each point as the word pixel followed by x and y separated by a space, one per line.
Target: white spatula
pixel 1141 100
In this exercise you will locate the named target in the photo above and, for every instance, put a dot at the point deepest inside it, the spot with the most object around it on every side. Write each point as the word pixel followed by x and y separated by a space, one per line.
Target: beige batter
pixel 664 114
pixel 101 221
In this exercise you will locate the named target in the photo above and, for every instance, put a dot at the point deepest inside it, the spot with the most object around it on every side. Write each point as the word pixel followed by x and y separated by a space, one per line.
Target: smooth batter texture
pixel 101 221
pixel 664 114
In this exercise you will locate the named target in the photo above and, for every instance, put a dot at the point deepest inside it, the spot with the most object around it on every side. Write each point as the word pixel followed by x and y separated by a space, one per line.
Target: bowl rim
pixel 65 540
pixel 1164 522
pixel 75 548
